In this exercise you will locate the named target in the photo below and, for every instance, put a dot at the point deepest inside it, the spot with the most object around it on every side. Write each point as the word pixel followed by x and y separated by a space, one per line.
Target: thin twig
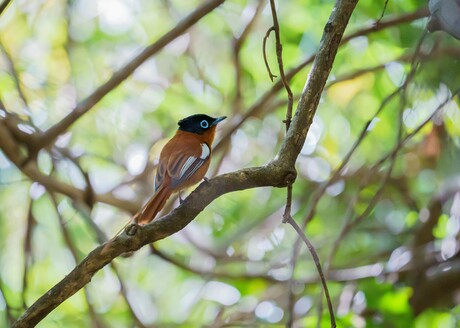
pixel 384 23
pixel 279 55
pixel 287 121
pixel 30 224
pixel 287 218
pixel 264 51
pixel 313 253
pixel 15 75
pixel 383 13
pixel 287 209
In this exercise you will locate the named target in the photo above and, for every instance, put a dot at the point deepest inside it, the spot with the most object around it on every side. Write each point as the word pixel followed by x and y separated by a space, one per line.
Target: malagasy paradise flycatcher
pixel 184 161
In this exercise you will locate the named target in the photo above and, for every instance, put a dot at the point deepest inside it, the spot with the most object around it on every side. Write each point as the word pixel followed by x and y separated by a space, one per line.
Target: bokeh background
pixel 378 187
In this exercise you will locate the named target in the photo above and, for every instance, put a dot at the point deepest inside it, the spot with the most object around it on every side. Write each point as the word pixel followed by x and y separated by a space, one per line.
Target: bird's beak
pixel 219 119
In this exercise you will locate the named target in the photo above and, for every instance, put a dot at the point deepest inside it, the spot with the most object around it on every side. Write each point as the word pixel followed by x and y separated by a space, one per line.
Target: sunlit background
pixel 386 228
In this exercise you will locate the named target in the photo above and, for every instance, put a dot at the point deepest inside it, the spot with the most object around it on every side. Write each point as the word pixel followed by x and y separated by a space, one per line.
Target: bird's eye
pixel 204 124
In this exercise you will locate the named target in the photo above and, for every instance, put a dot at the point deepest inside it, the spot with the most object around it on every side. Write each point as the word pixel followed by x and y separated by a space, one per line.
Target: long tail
pixel 147 213
pixel 154 205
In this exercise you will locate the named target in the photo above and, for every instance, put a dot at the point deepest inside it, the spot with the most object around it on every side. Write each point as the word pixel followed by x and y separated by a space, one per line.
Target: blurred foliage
pixel 232 264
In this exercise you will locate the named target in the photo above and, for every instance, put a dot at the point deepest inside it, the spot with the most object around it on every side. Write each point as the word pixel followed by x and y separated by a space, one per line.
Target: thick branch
pixel 159 229
pixel 317 78
pixel 122 74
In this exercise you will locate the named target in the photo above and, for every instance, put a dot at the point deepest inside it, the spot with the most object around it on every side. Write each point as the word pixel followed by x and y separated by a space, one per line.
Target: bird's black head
pixel 199 123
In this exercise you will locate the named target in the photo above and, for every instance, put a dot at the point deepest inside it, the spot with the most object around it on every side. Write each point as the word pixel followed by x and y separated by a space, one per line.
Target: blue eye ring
pixel 204 124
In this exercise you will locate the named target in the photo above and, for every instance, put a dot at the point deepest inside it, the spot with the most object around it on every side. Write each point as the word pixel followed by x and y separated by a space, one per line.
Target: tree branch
pixel 313 253
pixel 159 229
pixel 122 74
pixel 264 52
pixel 3 6
pixel 317 78
pixel 287 218
pixel 261 104
pixel 9 145
pixel 383 12
pixel 279 56
pixel 14 74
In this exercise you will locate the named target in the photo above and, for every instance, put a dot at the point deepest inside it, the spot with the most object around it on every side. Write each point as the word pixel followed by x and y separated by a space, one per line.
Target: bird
pixel 183 162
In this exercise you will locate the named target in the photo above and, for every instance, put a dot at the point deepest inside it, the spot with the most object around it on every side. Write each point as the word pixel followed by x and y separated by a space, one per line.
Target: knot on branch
pixel 132 229
pixel 288 178
pixel 328 27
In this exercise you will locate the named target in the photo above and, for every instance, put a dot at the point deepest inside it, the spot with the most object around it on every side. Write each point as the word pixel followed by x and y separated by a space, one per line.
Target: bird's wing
pixel 161 170
pixel 184 163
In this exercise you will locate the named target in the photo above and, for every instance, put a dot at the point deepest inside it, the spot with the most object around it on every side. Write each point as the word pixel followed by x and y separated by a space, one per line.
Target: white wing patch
pixel 205 151
pixel 186 165
pixel 191 165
